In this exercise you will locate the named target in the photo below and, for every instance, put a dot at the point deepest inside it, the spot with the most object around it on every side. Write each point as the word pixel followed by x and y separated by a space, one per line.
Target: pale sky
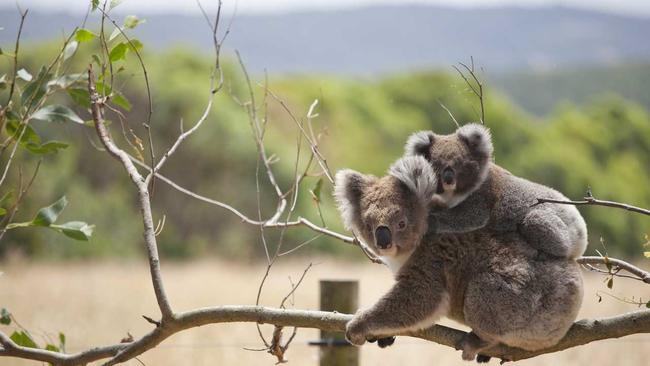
pixel 628 7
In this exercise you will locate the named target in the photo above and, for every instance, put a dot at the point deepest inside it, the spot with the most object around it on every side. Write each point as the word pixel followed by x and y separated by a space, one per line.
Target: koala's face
pixel 460 160
pixel 388 214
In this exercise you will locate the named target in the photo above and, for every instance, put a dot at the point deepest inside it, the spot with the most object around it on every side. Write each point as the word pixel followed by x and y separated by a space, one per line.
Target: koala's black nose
pixel 383 237
pixel 448 175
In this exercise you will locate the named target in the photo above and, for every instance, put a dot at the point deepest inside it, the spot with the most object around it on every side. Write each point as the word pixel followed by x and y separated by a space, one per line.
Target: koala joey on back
pixel 494 282
pixel 472 192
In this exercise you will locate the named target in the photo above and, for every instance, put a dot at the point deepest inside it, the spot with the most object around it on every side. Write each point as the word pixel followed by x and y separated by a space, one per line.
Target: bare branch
pixel 613 262
pixel 213 90
pixel 476 89
pixel 12 87
pixel 589 200
pixel 145 204
pixel 147 122
pixel 582 332
pixel 450 114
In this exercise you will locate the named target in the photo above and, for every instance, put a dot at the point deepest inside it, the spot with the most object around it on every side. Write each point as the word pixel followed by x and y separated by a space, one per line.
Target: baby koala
pixel 491 281
pixel 472 192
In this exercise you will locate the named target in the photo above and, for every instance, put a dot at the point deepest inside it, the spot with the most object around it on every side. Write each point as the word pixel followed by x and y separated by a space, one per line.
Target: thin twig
pixel 588 200
pixel 640 274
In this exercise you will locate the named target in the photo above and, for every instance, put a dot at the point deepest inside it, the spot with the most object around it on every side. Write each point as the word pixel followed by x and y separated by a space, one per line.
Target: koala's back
pixel 514 198
pixel 498 286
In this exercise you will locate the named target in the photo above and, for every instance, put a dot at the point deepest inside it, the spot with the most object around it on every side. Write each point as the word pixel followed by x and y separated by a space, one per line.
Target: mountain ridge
pixel 383 39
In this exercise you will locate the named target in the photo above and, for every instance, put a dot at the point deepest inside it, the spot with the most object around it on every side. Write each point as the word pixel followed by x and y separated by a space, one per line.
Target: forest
pixel 601 146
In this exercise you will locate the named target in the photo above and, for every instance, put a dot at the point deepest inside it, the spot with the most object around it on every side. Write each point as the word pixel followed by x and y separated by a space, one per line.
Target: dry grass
pixel 97 304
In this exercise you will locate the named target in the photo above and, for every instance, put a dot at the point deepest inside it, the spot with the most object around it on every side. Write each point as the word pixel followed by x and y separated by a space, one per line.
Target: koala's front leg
pixel 417 300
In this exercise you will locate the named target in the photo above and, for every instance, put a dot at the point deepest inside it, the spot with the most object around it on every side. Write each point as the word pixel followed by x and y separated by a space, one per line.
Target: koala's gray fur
pixel 479 193
pixel 492 281
pixel 400 195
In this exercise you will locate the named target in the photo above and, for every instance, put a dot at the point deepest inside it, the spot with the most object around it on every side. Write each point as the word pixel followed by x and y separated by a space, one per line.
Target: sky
pixel 627 7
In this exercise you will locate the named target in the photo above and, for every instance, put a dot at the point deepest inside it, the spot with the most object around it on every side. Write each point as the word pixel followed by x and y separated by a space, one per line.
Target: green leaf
pixel 70 49
pixel 23 74
pixel 5 198
pixel 21 338
pixel 51 347
pixel 116 32
pixel 5 317
pixel 80 96
pixel 132 21
pixel 3 211
pixel 77 230
pixel 50 147
pixel 114 3
pixel 57 113
pixel 135 45
pixel 67 80
pixel 35 90
pixel 118 52
pixel 95 4
pixel 315 192
pixel 647 304
pixel 14 129
pixel 46 216
pixel 103 89
pixel 97 60
pixel 61 340
pixel 84 35
pixel 121 101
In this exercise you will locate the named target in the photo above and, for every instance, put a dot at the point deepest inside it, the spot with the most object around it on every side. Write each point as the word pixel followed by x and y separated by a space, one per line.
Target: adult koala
pixel 488 280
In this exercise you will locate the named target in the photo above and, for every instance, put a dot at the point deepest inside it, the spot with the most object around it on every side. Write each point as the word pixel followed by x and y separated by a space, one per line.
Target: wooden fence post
pixel 341 296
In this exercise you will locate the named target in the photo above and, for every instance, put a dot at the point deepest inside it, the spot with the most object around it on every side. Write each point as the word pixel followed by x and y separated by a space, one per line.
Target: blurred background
pixel 567 97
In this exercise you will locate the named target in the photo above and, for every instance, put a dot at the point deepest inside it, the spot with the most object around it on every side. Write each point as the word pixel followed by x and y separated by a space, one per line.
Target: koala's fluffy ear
pixel 477 137
pixel 348 190
pixel 417 174
pixel 419 144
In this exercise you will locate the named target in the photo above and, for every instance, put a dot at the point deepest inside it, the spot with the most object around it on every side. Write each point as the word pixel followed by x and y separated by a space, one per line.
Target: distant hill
pixel 540 92
pixel 370 40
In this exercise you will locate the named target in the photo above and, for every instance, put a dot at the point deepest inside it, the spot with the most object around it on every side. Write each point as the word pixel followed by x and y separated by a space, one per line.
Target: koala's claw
pixel 385 342
pixel 483 359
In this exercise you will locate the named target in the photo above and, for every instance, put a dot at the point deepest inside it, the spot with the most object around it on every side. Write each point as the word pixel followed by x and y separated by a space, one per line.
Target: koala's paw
pixel 468 355
pixel 382 342
pixel 356 332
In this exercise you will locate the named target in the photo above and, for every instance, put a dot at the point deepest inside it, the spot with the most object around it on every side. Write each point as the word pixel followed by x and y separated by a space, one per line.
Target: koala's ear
pixel 419 144
pixel 477 137
pixel 348 190
pixel 417 174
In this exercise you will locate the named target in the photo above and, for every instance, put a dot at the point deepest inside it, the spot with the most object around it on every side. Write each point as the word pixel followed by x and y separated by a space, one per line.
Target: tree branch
pixel 582 332
pixel 589 200
pixel 96 103
pixel 613 262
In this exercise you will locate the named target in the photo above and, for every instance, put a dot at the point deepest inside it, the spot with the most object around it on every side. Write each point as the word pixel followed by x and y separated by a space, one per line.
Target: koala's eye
pixel 401 225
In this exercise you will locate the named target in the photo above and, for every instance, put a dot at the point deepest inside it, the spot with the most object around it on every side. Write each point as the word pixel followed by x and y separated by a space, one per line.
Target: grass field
pixel 98 303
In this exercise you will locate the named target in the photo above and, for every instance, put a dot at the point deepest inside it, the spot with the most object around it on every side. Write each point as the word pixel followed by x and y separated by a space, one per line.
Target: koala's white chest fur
pixel 396 262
